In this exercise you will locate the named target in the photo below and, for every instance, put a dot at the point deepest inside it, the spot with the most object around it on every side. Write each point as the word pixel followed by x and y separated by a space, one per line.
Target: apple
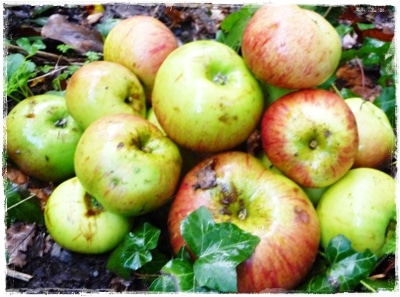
pixel 205 98
pixel 78 223
pixel 359 206
pixel 314 194
pixel 42 137
pixel 235 187
pixel 102 88
pixel 377 139
pixel 311 136
pixel 127 164
pixel 140 43
pixel 290 47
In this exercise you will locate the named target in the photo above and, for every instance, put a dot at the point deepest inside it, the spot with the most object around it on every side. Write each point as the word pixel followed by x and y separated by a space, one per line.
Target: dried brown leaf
pixel 81 38
pixel 18 238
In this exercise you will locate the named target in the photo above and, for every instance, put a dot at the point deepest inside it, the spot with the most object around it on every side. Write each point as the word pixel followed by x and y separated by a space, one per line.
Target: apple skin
pixel 359 206
pixel 235 187
pixel 277 51
pixel 205 98
pixel 102 88
pixel 140 43
pixel 377 139
pixel 314 194
pixel 127 164
pixel 42 137
pixel 311 136
pixel 77 225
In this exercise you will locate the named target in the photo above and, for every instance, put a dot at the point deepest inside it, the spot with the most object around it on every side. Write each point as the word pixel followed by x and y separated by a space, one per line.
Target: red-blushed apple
pixel 78 223
pixel 314 194
pixel 42 137
pixel 127 164
pixel 290 47
pixel 140 43
pixel 235 187
pixel 377 139
pixel 102 88
pixel 205 98
pixel 311 136
pixel 360 206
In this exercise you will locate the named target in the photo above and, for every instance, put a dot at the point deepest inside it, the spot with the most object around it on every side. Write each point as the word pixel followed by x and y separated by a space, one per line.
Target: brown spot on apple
pixel 301 215
pixel 30 115
pixel 120 145
pixel 206 176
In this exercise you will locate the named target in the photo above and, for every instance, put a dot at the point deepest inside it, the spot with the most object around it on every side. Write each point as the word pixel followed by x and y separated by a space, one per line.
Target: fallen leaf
pixel 82 39
pixel 18 237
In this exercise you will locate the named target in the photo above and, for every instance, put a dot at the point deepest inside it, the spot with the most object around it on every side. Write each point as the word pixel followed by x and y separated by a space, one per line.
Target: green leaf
pixel 379 285
pixel 232 27
pixel 21 205
pixel 224 247
pixel 195 227
pixel 31 45
pixel 345 269
pixel 219 249
pixel 387 102
pixel 176 276
pixel 134 251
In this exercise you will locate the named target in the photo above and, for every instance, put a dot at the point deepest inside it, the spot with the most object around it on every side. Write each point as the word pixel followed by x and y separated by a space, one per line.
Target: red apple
pixel 235 187
pixel 311 136
pixel 140 43
pixel 290 47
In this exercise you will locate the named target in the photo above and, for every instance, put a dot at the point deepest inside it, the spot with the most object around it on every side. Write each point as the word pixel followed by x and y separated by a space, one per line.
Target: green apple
pixel 140 43
pixel 311 136
pixel 78 223
pixel 205 98
pixel 42 137
pixel 235 187
pixel 291 47
pixel 102 88
pixel 128 164
pixel 359 206
pixel 377 139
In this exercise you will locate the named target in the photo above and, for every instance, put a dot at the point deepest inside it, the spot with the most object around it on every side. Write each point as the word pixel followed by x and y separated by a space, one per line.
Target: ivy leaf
pixel 176 276
pixel 386 101
pixel 134 251
pixel 21 205
pixel 219 249
pixel 232 27
pixel 194 228
pixel 346 268
pixel 225 246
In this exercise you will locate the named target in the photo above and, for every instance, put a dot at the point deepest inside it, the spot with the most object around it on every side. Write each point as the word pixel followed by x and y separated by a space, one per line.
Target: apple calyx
pixel 61 123
pixel 220 79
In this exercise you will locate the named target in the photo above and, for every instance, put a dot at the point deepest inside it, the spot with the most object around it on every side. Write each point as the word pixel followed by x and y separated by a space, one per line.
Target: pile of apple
pixel 122 143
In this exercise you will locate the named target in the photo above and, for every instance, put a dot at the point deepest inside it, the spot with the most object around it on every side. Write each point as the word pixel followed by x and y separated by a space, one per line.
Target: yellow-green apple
pixel 102 88
pixel 359 206
pixel 377 139
pixel 205 98
pixel 290 47
pixel 140 43
pixel 189 158
pixel 77 222
pixel 42 137
pixel 127 164
pixel 311 136
pixel 235 187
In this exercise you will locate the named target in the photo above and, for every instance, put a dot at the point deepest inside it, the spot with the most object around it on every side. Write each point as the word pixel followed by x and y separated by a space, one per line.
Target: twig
pixel 362 76
pixel 19 275
pixel 41 54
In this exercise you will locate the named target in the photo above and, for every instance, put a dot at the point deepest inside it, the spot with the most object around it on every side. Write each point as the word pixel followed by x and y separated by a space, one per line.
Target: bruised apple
pixel 235 187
